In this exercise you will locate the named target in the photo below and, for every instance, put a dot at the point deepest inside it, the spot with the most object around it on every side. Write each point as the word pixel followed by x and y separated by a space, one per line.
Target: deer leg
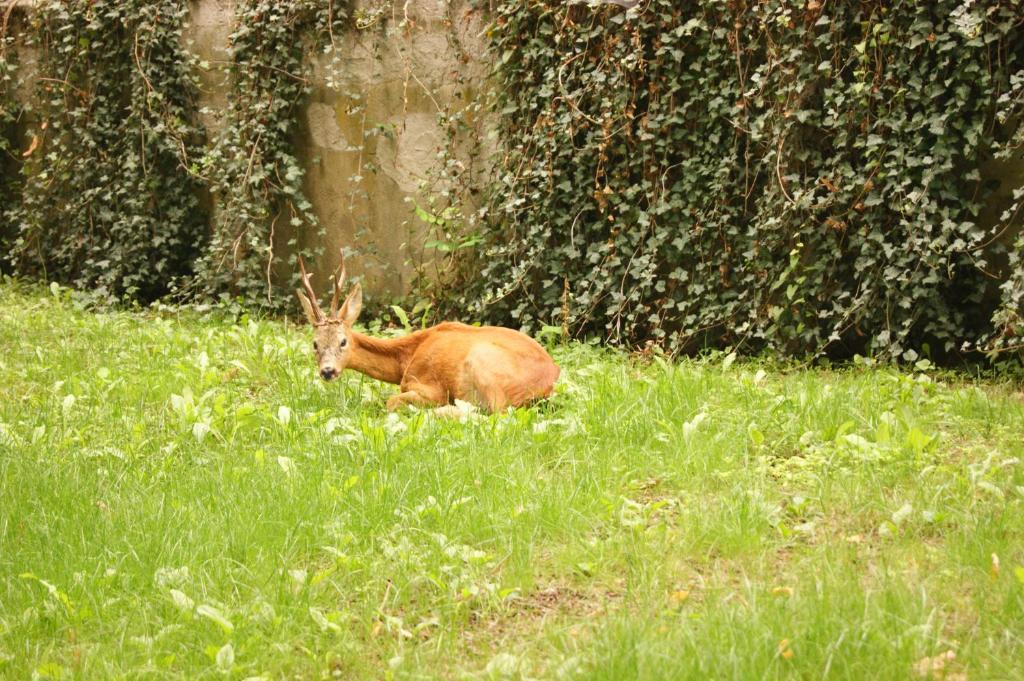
pixel 418 395
pixel 406 398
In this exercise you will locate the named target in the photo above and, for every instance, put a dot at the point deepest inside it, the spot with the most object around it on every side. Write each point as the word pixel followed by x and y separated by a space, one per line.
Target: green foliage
pixel 105 203
pixel 1009 318
pixel 8 111
pixel 112 197
pixel 223 513
pixel 9 115
pixel 252 168
pixel 796 177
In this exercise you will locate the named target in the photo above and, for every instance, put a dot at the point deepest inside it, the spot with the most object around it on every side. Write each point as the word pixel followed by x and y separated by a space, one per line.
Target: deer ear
pixel 306 306
pixel 352 307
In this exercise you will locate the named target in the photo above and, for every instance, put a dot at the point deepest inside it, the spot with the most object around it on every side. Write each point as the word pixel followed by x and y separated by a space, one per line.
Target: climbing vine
pixel 111 191
pixel 10 112
pixel 447 214
pixel 801 177
pixel 104 203
pixel 261 211
pixel 1008 319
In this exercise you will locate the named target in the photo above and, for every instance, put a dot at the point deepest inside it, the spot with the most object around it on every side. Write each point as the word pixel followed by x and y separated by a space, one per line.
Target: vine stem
pixel 270 255
pixel 252 159
pixel 778 170
pixel 65 83
pixel 286 73
pixel 138 63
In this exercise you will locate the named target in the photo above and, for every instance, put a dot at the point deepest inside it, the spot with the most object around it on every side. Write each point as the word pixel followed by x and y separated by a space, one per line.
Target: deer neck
pixel 384 359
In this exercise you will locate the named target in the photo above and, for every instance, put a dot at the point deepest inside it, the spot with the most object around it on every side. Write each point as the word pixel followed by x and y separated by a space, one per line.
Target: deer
pixel 489 367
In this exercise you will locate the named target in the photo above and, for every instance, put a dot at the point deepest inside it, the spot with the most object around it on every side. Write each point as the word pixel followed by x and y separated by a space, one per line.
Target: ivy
pixel 1008 319
pixel 797 177
pixel 252 168
pixel 10 113
pixel 110 195
pixel 104 203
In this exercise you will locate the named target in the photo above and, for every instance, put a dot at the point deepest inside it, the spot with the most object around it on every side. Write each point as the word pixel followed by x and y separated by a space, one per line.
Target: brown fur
pixel 489 366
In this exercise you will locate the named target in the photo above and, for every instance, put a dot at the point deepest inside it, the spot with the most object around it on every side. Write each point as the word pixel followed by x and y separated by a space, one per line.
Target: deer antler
pixel 339 279
pixel 309 292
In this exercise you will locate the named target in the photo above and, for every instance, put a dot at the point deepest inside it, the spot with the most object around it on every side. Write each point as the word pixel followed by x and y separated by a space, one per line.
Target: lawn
pixel 181 497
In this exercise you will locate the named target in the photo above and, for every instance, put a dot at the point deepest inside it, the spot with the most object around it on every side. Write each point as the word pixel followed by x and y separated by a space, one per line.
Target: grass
pixel 182 498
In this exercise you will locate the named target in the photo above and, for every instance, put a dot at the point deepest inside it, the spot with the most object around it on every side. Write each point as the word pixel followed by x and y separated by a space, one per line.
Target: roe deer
pixel 489 366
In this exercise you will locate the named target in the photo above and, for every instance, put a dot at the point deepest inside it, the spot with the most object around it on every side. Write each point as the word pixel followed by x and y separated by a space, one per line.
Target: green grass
pixel 182 498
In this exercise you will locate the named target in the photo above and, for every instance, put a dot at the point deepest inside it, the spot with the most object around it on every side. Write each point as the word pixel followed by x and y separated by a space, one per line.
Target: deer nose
pixel 328 373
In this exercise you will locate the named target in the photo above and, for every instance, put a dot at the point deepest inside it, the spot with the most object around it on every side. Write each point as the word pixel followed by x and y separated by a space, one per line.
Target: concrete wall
pixel 369 134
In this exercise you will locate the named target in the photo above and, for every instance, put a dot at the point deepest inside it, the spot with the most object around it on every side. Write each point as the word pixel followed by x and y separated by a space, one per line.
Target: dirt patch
pixel 567 600
pixel 532 612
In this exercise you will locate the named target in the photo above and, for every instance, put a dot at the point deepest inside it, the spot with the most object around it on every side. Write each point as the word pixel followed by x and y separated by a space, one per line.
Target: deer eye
pixel 344 342
pixel 315 346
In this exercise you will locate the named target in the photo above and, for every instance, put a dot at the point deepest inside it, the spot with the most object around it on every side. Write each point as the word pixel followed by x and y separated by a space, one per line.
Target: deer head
pixel 331 333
